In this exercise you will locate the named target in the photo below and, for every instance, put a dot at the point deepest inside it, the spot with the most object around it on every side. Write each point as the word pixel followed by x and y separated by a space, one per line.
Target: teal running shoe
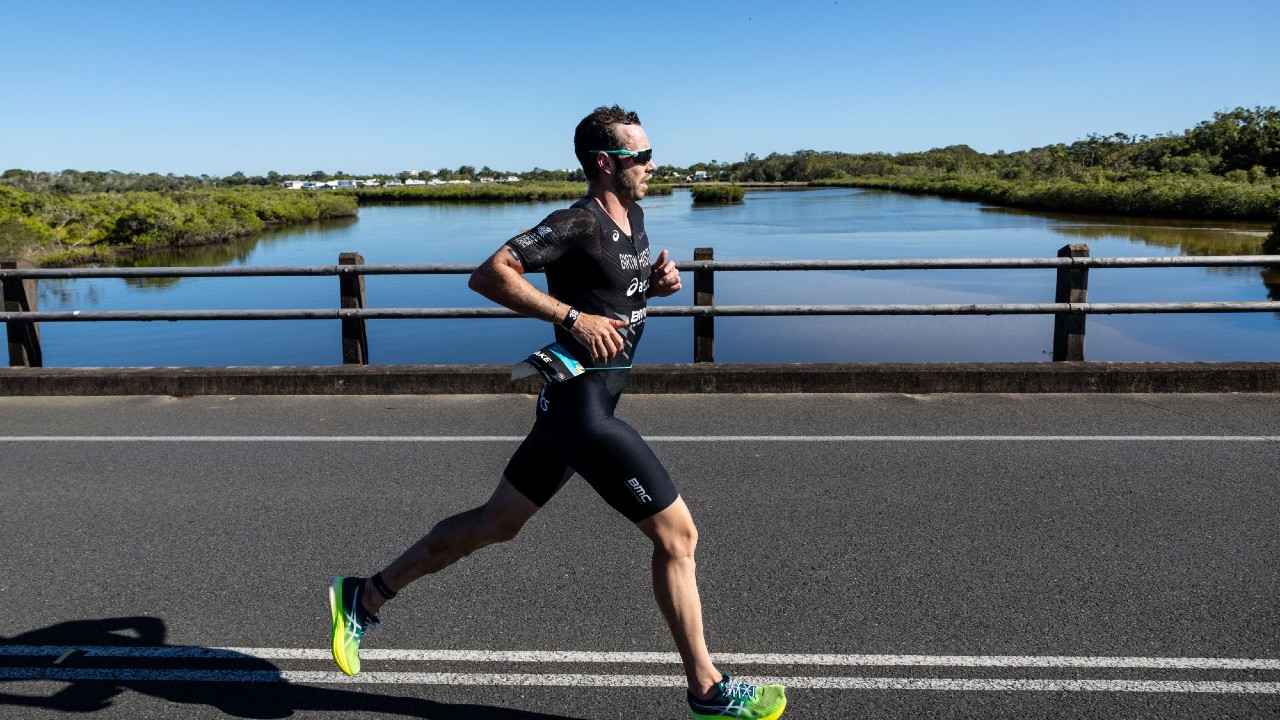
pixel 737 699
pixel 350 621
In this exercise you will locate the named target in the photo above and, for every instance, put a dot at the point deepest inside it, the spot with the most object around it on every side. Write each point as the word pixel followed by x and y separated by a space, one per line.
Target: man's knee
pixel 677 540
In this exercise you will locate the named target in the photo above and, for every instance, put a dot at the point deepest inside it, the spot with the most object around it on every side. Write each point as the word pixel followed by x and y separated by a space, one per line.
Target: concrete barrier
pixel 1058 377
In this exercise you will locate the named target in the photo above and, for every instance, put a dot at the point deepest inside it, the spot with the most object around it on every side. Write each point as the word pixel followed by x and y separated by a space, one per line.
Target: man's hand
pixel 664 277
pixel 598 334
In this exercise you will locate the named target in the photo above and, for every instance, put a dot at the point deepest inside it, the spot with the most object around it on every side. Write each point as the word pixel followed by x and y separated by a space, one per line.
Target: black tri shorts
pixel 576 431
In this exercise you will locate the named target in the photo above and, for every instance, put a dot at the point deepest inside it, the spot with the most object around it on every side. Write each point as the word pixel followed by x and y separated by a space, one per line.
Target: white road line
pixel 581 680
pixel 658 658
pixel 652 438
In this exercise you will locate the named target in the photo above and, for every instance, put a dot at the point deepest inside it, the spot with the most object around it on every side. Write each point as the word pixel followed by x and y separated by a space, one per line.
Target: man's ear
pixel 603 164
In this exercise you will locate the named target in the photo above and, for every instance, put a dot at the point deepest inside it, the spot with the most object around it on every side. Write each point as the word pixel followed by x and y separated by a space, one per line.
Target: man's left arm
pixel 664 277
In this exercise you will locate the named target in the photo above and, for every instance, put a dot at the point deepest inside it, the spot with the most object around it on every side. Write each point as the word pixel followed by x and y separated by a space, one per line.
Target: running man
pixel 599 276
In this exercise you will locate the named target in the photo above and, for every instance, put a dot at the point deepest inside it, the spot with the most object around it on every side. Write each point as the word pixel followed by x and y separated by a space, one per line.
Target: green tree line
pixel 87 181
pixel 481 192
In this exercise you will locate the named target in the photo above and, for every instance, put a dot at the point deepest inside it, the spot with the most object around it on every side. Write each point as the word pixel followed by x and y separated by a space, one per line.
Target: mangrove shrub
pixel 706 194
pixel 1271 245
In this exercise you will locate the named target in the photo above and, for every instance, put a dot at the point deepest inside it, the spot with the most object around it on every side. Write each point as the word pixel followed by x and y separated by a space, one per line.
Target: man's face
pixel 630 178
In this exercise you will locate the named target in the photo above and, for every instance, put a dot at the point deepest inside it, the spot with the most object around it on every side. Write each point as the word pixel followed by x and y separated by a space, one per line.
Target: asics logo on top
pixel 615 236
pixel 639 491
pixel 637 285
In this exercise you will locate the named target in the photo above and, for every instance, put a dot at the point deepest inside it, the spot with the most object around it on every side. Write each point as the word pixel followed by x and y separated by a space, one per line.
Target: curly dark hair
pixel 597 132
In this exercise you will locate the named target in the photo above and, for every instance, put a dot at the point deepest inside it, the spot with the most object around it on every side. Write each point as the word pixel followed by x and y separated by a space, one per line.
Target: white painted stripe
pixel 653 438
pixel 660 658
pixel 631 681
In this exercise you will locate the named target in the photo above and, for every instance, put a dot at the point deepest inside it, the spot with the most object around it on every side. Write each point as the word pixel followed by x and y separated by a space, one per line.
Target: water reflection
pixel 1187 240
pixel 234 252
pixel 51 294
pixel 1194 238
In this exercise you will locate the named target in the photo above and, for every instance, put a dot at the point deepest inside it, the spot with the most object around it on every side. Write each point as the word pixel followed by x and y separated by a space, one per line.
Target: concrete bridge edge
pixel 1057 377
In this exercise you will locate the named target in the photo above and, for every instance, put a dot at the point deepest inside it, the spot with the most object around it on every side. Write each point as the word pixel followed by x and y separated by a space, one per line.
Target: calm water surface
pixel 809 224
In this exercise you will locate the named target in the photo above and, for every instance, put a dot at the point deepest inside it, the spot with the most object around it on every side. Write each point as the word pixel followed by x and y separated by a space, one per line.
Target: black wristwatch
pixel 570 319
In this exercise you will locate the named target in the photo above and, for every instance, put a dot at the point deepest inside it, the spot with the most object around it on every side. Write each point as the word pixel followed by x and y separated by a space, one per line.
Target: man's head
pixel 614 129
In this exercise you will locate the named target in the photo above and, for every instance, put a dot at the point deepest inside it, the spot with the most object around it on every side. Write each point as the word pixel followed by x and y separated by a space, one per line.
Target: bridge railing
pixel 1070 307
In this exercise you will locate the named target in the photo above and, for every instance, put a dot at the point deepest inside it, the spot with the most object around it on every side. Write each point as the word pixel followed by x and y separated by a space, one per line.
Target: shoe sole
pixel 771 716
pixel 339 629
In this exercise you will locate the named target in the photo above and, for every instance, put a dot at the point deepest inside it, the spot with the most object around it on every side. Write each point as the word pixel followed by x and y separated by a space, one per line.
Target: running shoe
pixel 744 701
pixel 350 621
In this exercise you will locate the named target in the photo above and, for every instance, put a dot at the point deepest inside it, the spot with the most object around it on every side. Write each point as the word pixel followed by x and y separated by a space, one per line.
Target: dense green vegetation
pixel 62 228
pixel 1227 167
pixel 723 194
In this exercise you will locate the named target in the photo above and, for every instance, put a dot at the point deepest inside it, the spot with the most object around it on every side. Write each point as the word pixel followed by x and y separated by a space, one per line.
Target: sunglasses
pixel 641 156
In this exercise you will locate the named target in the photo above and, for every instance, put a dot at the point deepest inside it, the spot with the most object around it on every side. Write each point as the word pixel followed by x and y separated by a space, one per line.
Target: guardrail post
pixel 704 294
pixel 355 336
pixel 1073 287
pixel 24 337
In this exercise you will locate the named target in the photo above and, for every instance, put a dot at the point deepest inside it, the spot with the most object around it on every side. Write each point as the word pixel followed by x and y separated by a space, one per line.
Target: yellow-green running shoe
pixel 350 621
pixel 744 701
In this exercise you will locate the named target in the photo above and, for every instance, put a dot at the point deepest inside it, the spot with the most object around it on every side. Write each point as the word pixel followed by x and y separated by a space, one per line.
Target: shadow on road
pixel 246 700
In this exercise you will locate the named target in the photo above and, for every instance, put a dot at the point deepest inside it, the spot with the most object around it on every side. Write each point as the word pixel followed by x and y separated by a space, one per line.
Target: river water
pixel 771 224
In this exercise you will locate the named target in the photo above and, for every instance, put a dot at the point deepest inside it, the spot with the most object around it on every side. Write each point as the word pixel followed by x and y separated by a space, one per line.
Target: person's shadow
pixel 267 697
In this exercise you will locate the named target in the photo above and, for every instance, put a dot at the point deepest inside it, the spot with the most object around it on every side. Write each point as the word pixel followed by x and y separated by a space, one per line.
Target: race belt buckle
pixel 553 363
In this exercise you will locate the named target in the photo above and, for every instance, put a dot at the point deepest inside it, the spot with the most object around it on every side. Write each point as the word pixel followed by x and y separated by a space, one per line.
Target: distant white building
pixel 699 174
pixel 293 184
pixel 415 181
pixel 346 184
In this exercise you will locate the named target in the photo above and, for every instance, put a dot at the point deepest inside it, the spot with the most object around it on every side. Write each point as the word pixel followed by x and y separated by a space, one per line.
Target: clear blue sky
pixel 215 87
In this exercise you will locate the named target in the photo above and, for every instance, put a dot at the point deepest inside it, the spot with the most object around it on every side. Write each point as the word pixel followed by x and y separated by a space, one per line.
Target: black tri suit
pixel 593 266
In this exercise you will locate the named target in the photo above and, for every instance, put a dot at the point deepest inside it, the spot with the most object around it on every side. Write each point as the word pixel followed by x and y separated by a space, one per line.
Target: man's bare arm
pixel 501 279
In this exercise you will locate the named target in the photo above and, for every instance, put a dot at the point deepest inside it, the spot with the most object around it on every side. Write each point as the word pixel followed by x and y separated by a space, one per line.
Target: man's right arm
pixel 501 279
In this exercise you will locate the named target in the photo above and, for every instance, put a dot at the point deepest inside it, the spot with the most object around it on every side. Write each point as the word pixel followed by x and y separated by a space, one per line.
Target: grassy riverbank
pixel 1158 195
pixel 66 228
pixel 481 192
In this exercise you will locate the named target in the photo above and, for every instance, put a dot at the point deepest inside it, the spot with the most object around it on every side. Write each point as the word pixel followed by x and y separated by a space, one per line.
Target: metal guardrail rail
pixel 21 316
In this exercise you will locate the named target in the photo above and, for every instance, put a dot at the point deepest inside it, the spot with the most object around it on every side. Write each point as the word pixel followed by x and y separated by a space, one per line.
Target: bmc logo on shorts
pixel 638 489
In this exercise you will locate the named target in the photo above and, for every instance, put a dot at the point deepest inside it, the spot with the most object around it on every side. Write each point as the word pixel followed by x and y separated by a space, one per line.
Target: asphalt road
pixel 891 556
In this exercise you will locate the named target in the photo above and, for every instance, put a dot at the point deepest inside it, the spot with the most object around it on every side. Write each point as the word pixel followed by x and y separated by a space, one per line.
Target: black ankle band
pixel 381 586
